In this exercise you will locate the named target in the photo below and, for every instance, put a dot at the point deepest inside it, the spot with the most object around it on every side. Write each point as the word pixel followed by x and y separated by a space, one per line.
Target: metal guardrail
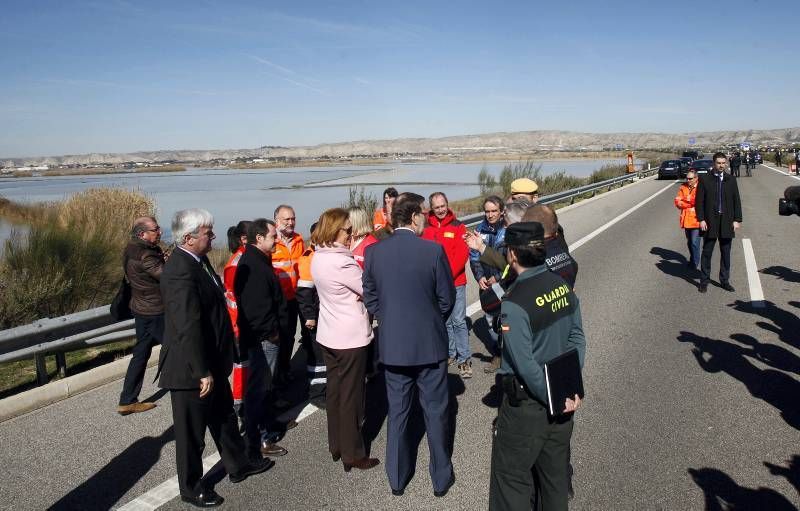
pixel 93 327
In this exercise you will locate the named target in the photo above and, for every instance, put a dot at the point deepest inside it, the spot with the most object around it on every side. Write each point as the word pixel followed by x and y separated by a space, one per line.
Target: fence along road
pixel 690 398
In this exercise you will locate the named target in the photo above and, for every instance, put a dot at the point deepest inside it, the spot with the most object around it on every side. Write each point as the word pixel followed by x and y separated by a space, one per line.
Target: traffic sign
pixel 692 141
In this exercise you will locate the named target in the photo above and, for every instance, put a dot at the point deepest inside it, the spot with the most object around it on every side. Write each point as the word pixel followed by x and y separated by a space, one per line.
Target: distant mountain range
pixel 503 143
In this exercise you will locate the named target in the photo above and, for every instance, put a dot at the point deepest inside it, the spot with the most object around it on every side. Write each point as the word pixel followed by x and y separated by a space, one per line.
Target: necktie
pixel 719 195
pixel 208 272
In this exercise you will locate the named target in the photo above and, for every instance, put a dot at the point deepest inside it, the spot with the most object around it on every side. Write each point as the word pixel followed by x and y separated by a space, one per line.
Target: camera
pixel 790 204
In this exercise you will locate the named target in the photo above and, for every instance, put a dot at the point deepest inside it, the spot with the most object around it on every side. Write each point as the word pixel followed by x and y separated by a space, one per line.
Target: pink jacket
pixel 343 320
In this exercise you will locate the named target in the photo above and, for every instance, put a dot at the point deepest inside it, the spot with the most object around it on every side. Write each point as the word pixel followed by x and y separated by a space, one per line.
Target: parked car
pixel 671 169
pixel 686 159
pixel 702 166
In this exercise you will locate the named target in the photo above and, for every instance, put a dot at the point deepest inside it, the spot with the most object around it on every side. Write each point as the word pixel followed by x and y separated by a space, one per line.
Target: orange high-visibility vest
pixel 284 263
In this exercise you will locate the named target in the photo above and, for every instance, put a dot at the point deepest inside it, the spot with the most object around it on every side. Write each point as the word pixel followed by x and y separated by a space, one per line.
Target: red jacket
pixel 360 249
pixel 449 233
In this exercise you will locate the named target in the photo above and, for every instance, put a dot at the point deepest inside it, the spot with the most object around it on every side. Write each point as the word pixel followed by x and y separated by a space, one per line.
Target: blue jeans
pixel 693 244
pixel 262 364
pixel 457 334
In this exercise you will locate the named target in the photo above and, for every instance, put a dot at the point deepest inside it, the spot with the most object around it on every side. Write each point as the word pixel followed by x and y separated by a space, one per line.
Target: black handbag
pixel 120 307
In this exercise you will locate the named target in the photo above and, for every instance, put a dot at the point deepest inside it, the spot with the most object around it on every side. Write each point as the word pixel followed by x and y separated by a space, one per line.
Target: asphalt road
pixel 692 399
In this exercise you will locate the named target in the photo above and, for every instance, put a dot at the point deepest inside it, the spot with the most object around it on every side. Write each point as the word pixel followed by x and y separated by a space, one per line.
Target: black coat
pixel 198 336
pixel 262 306
pixel 706 205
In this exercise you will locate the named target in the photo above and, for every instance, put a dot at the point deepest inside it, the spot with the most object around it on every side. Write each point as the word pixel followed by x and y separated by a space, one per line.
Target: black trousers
pixel 526 438
pixel 287 338
pixel 724 259
pixel 345 401
pixel 191 415
pixel 149 332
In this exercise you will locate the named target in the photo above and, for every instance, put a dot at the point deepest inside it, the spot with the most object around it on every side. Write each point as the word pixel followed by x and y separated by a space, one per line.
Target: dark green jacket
pixel 539 297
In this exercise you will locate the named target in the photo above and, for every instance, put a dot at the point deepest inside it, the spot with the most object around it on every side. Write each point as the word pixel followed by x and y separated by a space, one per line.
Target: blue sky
pixel 117 76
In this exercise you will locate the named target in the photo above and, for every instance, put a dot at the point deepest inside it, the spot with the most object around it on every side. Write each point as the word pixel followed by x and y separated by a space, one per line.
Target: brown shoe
pixel 362 464
pixel 450 361
pixel 465 369
pixel 493 366
pixel 135 408
pixel 272 449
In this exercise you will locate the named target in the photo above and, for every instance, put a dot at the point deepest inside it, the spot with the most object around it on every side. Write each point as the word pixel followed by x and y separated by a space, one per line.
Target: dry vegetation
pixel 70 258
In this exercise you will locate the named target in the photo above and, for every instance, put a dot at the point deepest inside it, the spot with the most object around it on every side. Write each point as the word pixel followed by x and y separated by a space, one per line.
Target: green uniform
pixel 540 318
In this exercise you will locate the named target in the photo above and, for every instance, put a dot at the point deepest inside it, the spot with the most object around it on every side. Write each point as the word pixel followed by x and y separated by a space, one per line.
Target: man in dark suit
pixel 409 288
pixel 719 210
pixel 196 359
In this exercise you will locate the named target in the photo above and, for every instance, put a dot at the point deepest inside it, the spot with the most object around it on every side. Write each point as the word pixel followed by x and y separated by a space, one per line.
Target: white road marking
pixel 168 490
pixel 165 491
pixel 753 280
pixel 779 171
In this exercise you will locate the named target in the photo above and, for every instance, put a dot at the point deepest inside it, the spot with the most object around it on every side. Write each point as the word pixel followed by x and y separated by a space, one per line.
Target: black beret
pixel 522 234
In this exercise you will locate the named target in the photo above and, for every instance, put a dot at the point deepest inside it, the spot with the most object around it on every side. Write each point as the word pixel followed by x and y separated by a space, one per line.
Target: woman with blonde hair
pixel 362 234
pixel 344 332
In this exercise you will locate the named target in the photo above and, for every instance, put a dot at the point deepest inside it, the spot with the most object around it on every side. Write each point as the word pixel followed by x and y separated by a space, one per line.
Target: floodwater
pixel 234 194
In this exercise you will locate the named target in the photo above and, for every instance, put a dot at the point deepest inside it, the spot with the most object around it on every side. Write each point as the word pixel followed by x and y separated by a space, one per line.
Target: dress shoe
pixel 208 498
pixel 336 457
pixel 398 493
pixel 255 467
pixel 442 493
pixel 703 287
pixel 728 287
pixel 362 464
pixel 272 449
pixel 135 408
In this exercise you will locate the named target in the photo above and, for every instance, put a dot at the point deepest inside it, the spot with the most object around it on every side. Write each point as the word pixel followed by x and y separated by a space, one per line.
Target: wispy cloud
pixel 292 77
pixel 273 65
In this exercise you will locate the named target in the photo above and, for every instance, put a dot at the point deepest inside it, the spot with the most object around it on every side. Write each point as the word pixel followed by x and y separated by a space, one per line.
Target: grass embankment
pixel 69 260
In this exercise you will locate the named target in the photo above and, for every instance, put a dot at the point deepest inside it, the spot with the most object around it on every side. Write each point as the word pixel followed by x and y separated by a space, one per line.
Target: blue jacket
pixel 409 288
pixel 494 236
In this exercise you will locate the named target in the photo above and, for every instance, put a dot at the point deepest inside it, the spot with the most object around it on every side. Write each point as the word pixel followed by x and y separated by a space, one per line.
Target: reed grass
pixel 70 259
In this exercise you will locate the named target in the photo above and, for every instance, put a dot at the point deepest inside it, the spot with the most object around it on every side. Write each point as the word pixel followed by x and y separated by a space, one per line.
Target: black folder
pixel 564 380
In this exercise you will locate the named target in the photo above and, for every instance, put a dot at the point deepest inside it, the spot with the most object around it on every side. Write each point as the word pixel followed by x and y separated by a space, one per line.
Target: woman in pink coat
pixel 344 332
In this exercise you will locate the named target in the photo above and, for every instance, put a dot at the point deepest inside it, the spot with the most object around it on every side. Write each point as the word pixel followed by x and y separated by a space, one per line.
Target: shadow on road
pixel 771 386
pixel 110 483
pixel 674 264
pixel 783 273
pixel 784 323
pixel 791 473
pixel 723 494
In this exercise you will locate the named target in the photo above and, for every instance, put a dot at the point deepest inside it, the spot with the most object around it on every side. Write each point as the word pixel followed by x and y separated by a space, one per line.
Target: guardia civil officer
pixel 541 319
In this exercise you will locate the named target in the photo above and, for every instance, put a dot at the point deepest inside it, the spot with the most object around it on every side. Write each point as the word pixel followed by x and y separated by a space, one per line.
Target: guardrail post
pixel 41 369
pixel 61 364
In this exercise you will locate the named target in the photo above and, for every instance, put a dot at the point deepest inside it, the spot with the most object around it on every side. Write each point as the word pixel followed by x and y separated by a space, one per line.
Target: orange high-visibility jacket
pixel 228 274
pixel 307 298
pixel 379 219
pixel 284 263
pixel 685 202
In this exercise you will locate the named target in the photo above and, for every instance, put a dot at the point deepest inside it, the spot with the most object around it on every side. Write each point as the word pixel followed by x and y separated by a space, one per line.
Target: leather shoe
pixel 255 467
pixel 703 288
pixel 398 493
pixel 208 498
pixel 272 449
pixel 728 287
pixel 135 408
pixel 362 464
pixel 336 457
pixel 442 493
